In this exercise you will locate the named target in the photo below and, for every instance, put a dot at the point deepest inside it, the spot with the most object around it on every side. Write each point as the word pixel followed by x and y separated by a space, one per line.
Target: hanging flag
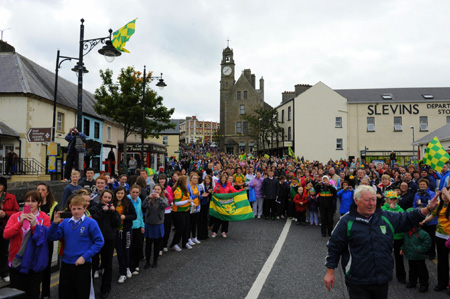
pixel 292 154
pixel 121 36
pixel 231 206
pixel 435 155
pixel 150 171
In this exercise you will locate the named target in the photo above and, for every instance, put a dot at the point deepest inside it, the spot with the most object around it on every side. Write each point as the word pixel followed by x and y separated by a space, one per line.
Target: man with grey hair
pixel 364 238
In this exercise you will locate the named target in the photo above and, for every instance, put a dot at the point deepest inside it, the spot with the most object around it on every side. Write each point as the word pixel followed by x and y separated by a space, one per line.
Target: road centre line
pixel 268 265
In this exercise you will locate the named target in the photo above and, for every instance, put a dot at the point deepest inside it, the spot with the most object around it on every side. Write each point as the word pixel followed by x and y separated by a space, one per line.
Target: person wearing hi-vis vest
pixel 363 240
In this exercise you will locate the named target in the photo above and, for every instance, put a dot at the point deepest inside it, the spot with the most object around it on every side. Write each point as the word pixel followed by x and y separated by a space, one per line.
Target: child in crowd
pixel 293 192
pixel 83 240
pixel 283 196
pixel 138 230
pixel 72 187
pixel 417 243
pixel 313 207
pixel 301 203
pixel 123 235
pixel 155 204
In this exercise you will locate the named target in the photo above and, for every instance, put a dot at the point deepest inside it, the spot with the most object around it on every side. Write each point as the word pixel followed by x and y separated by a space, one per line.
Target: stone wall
pixel 19 189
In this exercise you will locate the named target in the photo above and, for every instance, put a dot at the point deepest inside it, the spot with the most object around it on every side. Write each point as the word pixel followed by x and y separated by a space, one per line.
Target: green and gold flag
pixel 121 36
pixel 266 156
pixel 292 154
pixel 230 206
pixel 243 157
pixel 435 155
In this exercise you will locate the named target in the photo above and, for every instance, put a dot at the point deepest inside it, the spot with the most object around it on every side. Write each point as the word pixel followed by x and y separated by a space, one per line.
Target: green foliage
pixel 121 102
pixel 263 125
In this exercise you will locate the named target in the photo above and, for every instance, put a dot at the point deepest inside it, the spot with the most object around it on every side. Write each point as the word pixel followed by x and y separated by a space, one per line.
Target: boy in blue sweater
pixel 72 188
pixel 82 240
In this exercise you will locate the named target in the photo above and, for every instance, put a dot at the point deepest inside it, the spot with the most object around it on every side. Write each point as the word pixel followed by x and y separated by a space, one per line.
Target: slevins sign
pixel 393 109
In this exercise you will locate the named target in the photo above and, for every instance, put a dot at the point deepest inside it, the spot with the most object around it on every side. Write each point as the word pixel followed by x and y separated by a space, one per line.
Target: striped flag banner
pixel 435 155
pixel 231 206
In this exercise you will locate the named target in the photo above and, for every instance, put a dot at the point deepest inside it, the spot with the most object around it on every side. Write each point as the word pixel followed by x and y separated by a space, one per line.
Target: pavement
pixel 246 264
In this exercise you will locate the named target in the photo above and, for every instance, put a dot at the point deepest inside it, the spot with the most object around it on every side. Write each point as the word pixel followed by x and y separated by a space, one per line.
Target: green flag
pixel 121 36
pixel 231 206
pixel 435 155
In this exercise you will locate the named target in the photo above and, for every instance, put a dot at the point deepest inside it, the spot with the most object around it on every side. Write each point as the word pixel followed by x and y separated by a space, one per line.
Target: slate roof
pixel 7 131
pixel 175 131
pixel 21 75
pixel 443 134
pixel 399 95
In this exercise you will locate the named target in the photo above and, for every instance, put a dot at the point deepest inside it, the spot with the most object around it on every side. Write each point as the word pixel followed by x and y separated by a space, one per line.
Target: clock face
pixel 227 71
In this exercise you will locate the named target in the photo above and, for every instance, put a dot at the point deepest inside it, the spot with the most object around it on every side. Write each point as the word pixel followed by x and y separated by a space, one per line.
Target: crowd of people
pixel 137 215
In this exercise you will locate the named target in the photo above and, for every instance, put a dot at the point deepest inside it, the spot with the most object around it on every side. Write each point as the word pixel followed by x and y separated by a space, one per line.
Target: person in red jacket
pixel 17 227
pixel 301 202
pixel 222 186
pixel 8 206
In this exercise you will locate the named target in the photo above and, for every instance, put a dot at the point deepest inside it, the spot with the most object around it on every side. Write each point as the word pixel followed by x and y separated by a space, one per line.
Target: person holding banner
pixel 223 186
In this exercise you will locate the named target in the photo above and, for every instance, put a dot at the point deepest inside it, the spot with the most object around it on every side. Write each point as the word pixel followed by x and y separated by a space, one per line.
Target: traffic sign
pixel 39 135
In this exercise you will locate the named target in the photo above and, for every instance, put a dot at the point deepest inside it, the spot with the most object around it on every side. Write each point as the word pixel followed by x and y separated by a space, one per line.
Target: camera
pixel 422 192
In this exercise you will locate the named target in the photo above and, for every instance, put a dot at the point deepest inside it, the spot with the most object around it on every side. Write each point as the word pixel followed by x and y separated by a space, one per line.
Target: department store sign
pixel 405 109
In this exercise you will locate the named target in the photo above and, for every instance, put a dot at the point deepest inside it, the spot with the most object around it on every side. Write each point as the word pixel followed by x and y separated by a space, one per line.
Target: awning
pixel 7 131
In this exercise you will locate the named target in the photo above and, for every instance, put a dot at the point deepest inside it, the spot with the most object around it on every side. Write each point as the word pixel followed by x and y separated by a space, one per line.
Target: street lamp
pixel 412 128
pixel 161 84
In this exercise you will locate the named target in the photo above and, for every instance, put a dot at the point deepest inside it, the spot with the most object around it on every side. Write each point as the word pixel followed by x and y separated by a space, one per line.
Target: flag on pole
pixel 435 155
pixel 231 206
pixel 121 36
pixel 292 154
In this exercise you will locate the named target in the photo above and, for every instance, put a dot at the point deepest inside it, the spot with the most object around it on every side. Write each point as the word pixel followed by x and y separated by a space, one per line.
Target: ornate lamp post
pixel 161 84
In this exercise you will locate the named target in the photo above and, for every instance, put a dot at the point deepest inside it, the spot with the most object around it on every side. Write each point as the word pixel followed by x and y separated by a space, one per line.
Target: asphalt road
pixel 228 268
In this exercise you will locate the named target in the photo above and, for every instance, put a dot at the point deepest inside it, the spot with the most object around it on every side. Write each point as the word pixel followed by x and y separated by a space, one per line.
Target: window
pixel 448 119
pixel 371 124
pixel 245 94
pixel 387 96
pixel 96 130
pixel 245 127
pixel 166 140
pixel 338 122
pixel 238 128
pixel 108 133
pixel 87 126
pixel 423 123
pixel 227 58
pixel 339 145
pixel 282 116
pixel 282 136
pixel 238 95
pixel 289 113
pixel 398 124
pixel 60 122
pixel 428 96
pixel 289 134
pixel 242 109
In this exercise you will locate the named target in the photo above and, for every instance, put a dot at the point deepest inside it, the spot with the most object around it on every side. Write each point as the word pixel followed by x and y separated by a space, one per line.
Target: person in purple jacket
pixel 256 184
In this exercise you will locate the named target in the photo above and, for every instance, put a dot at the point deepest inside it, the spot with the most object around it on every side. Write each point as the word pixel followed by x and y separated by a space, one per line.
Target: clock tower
pixel 226 85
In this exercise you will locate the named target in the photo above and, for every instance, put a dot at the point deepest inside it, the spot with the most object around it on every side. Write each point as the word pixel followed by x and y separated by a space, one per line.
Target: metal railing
pixel 22 166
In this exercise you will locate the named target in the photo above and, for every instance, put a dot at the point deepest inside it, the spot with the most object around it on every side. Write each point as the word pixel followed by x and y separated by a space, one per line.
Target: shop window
pixel 338 122
pixel 339 145
pixel 398 124
pixel 238 128
pixel 242 109
pixel 424 124
pixel 60 122
pixel 371 124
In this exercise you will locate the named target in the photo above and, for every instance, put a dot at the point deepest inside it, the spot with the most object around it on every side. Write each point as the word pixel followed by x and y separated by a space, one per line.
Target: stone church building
pixel 237 98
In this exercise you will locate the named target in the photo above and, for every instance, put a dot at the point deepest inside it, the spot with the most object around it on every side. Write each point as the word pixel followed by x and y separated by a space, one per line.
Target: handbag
pixel 251 195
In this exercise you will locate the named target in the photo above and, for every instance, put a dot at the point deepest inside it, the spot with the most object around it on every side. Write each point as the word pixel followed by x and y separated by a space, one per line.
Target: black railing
pixel 22 166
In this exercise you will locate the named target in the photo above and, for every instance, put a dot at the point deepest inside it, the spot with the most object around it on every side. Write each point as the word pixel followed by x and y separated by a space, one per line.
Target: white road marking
pixel 268 265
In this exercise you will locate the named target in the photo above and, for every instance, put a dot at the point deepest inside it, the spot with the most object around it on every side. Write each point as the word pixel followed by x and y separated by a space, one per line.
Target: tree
pixel 122 102
pixel 263 125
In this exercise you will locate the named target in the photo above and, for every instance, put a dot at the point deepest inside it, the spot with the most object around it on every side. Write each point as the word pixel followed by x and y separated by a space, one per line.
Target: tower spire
pixel 228 42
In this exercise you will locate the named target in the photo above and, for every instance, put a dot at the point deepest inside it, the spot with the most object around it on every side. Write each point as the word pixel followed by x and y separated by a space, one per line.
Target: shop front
pixel 154 155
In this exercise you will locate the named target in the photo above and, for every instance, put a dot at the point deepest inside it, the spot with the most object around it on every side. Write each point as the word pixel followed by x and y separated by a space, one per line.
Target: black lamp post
pixel 161 84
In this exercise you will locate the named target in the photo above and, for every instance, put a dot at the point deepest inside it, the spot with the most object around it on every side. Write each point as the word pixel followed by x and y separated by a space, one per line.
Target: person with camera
pixel 108 220
pixel 72 158
pixel 421 200
pixel 345 196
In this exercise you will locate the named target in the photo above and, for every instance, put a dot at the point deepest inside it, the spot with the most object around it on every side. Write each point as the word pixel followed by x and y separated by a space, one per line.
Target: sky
pixel 345 44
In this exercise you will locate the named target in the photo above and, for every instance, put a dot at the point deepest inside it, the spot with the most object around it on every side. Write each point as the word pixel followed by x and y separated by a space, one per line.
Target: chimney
pixel 300 88
pixel 6 48
pixel 253 81
pixel 261 84
pixel 287 95
pixel 247 74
